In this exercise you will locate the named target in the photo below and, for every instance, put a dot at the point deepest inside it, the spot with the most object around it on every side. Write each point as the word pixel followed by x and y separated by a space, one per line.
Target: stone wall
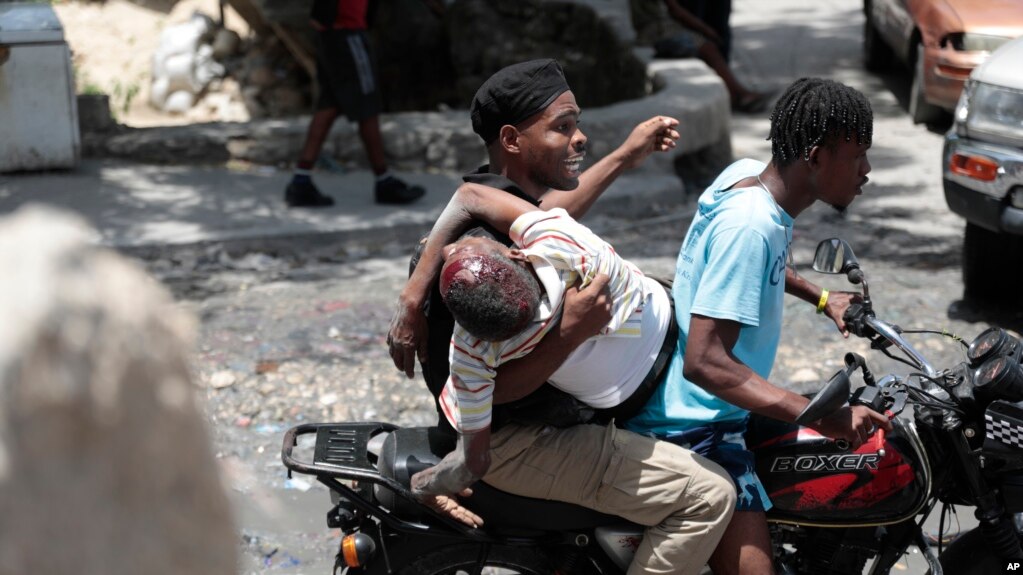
pixel 443 140
pixel 487 35
pixel 425 60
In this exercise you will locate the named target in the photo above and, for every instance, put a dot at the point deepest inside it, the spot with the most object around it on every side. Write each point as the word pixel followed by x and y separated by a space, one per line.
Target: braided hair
pixel 813 112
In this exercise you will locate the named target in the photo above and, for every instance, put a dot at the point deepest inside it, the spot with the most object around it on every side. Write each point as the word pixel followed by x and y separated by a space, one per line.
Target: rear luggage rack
pixel 342 452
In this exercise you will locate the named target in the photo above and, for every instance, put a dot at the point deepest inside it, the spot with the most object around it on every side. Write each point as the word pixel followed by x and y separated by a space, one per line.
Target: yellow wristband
pixel 823 301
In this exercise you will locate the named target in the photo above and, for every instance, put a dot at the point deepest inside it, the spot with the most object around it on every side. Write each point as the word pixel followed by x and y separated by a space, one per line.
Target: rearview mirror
pixel 834 256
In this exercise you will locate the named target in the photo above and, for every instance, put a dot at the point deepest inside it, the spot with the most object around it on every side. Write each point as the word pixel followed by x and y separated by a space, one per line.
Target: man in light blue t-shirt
pixel 730 279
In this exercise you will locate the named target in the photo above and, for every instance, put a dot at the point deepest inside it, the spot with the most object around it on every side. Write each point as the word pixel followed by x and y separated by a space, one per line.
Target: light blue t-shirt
pixel 731 266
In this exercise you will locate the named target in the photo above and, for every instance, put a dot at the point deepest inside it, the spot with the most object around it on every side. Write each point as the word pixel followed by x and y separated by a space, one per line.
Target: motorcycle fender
pixel 969 554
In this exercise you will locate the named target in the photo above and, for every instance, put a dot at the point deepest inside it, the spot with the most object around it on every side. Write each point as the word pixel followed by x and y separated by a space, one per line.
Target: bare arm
pixel 437 486
pixel 710 363
pixel 658 134
pixel 407 336
pixel 837 303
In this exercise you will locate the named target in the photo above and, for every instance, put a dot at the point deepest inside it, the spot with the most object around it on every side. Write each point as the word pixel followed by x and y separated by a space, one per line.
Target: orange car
pixel 941 40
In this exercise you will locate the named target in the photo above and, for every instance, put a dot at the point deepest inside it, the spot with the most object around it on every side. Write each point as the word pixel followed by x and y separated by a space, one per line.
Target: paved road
pixel 286 341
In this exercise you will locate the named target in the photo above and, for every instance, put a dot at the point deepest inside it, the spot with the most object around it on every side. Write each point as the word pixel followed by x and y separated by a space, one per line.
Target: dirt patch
pixel 112 45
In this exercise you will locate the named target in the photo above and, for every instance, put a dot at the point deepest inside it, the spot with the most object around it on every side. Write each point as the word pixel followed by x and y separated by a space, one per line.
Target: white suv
pixel 983 176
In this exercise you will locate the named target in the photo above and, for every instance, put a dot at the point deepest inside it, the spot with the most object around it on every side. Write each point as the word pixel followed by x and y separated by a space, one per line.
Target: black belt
pixel 642 394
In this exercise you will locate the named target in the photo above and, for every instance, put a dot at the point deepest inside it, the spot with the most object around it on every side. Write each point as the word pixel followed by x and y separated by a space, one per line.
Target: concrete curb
pixel 154 211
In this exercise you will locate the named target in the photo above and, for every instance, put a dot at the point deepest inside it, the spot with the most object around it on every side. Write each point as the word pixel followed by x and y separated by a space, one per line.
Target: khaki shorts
pixel 683 499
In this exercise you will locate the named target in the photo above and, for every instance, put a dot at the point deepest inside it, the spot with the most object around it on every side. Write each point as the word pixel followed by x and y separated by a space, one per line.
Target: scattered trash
pixel 222 379
pixel 269 428
pixel 334 333
pixel 255 262
pixel 267 366
pixel 183 64
pixel 297 483
pixel 327 307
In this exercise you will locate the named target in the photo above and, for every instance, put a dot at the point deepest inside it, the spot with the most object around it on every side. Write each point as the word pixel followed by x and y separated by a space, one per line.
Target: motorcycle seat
pixel 409 450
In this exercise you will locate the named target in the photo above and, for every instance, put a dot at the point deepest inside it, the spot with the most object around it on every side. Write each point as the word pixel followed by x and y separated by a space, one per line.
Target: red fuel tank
pixel 811 481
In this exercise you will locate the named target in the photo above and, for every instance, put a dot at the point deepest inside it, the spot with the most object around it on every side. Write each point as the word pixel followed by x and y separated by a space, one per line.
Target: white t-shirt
pixel 604 371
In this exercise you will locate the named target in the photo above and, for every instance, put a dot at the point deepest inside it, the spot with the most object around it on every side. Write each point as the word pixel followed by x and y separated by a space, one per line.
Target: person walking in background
pixel 674 32
pixel 714 13
pixel 344 70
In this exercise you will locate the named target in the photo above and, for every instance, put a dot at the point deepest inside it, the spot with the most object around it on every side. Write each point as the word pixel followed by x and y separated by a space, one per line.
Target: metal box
pixel 38 109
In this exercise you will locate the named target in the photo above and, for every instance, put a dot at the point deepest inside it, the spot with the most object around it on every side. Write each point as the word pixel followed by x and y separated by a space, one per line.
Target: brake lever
pixel 898 403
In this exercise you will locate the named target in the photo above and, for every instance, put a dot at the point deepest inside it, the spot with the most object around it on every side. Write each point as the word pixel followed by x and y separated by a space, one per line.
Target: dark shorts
pixel 684 44
pixel 724 444
pixel 344 69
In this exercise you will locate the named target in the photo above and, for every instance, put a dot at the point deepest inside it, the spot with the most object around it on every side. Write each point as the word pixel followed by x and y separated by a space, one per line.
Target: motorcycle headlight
pixel 990 111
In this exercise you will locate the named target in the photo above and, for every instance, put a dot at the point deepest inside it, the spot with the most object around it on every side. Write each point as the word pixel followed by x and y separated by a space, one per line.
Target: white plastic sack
pixel 183 64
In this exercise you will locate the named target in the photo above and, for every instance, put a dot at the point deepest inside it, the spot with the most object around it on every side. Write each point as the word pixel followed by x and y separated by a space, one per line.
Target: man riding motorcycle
pixel 853 425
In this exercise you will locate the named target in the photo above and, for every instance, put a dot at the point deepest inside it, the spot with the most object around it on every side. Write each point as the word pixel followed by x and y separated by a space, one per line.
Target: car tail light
pixel 976 167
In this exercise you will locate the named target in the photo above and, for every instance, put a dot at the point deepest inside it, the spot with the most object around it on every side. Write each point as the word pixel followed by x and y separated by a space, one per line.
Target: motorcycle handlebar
pixel 860 321
pixel 891 333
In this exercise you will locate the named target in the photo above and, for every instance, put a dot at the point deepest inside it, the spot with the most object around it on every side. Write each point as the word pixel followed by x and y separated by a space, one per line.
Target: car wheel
pixel 877 56
pixel 992 265
pixel 920 110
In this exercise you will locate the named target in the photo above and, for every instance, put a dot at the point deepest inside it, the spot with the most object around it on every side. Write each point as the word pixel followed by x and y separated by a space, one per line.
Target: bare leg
pixel 319 127
pixel 373 142
pixel 745 548
pixel 711 55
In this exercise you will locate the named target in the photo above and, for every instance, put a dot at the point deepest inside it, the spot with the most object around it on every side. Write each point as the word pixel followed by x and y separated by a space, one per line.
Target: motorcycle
pixel 835 508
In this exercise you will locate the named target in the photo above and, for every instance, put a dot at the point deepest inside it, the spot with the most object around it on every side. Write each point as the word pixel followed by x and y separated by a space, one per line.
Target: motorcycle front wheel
pixel 969 555
pixel 470 559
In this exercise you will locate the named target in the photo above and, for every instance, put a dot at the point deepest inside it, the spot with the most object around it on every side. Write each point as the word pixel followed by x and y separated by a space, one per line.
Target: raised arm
pixel 832 304
pixel 658 134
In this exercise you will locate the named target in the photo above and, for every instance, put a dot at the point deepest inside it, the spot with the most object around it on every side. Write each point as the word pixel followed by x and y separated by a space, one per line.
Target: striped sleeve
pixel 467 398
pixel 579 253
